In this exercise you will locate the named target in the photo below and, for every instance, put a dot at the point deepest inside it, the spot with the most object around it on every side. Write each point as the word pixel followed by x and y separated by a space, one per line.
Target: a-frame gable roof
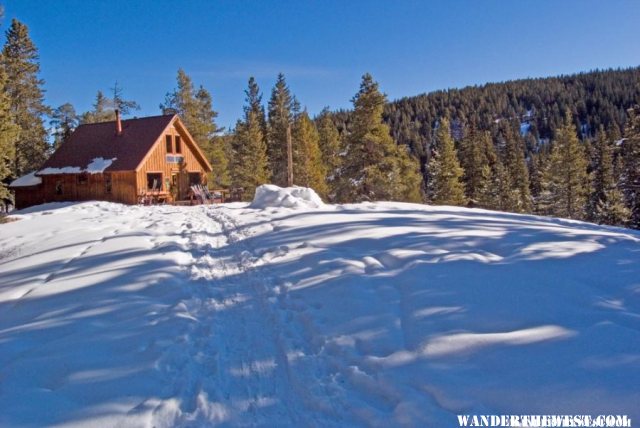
pixel 99 140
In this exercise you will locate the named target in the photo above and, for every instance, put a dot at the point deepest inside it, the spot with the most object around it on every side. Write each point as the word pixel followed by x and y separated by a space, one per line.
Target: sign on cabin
pixel 175 158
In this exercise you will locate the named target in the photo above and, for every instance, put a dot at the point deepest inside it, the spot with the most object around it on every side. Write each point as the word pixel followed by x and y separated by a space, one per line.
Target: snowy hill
pixel 377 314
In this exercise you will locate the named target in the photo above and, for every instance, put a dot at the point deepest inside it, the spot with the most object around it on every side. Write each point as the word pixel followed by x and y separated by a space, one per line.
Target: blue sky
pixel 323 46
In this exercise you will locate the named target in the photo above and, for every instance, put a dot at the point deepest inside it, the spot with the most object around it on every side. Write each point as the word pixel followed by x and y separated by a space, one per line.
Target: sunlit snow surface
pixel 377 314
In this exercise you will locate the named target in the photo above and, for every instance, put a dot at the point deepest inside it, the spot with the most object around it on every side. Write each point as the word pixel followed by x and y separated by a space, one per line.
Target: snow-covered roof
pixel 97 166
pixel 26 180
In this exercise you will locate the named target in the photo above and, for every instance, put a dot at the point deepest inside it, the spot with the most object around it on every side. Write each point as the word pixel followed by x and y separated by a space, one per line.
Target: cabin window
pixel 83 178
pixel 58 187
pixel 178 144
pixel 154 181
pixel 195 178
pixel 107 183
pixel 169 143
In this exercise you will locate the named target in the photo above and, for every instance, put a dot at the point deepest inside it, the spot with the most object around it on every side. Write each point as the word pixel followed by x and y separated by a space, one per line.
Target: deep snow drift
pixel 376 314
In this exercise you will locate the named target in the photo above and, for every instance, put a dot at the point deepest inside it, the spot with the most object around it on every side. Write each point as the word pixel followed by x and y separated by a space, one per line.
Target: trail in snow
pixel 376 314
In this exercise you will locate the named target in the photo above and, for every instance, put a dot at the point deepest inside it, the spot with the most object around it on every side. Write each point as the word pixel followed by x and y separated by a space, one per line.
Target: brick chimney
pixel 118 123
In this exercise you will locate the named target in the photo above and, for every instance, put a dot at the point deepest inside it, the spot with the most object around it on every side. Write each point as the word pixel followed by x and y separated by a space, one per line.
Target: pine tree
pixel 104 107
pixel 217 152
pixel 9 133
pixel 329 142
pixel 249 163
pixel 308 168
pixel 567 173
pixel 120 104
pixel 374 167
pixel 513 160
pixel 477 171
pixel 63 121
pixel 445 172
pixel 630 182
pixel 280 120
pixel 606 202
pixel 254 103
pixel 102 110
pixel 194 108
pixel 26 97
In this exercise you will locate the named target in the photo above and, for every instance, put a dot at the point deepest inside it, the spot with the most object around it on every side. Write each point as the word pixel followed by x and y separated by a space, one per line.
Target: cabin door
pixel 175 184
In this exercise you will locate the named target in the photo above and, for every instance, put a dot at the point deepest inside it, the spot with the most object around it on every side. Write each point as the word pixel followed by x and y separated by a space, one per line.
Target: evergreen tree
pixel 63 121
pixel 194 108
pixel 606 202
pixel 519 199
pixel 329 142
pixel 474 162
pixel 445 172
pixel 374 167
pixel 26 98
pixel 104 107
pixel 488 185
pixel 567 173
pixel 249 163
pixel 630 182
pixel 217 151
pixel 9 132
pixel 102 110
pixel 280 120
pixel 308 168
pixel 254 103
pixel 120 104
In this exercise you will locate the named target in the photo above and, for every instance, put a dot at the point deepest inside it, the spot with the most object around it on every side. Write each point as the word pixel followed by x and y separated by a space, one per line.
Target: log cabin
pixel 125 161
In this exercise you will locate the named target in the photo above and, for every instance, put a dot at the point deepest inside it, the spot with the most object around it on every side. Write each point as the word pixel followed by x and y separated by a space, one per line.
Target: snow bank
pixel 97 166
pixel 26 180
pixel 271 196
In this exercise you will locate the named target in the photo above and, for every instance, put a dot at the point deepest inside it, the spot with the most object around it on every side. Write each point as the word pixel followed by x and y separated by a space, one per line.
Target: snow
pixel 26 180
pixel 270 196
pixel 373 314
pixel 96 166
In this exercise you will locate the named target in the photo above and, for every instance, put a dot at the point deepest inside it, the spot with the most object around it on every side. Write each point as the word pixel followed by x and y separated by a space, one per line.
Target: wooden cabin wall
pixel 28 196
pixel 156 162
pixel 123 189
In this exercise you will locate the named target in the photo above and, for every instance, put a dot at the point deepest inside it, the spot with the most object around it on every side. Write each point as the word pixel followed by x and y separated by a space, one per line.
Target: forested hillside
pixel 594 98
pixel 505 134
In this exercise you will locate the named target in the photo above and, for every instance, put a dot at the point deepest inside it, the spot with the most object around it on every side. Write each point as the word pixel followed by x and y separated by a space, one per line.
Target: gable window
pixel 178 144
pixel 169 143
pixel 83 178
pixel 107 183
pixel 154 181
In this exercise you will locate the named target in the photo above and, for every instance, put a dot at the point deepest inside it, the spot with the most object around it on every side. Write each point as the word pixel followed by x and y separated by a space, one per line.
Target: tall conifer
pixel 26 98
pixel 445 173
pixel 329 142
pixel 374 167
pixel 9 132
pixel 630 181
pixel 606 202
pixel 280 120
pixel 308 168
pixel 567 173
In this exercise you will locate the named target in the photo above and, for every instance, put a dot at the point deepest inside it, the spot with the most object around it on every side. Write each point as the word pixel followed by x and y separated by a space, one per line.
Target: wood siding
pixel 123 189
pixel 156 162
